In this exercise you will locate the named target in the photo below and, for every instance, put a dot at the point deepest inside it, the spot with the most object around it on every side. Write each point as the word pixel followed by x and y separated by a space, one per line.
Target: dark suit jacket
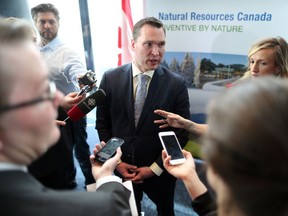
pixel 205 204
pixel 115 117
pixel 21 194
pixel 57 161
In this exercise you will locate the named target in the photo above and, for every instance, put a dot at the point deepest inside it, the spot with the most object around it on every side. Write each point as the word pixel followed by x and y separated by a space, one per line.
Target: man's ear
pixel 133 44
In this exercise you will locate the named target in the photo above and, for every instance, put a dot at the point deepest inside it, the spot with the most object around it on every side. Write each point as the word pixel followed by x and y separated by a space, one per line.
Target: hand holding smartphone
pixel 171 145
pixel 109 149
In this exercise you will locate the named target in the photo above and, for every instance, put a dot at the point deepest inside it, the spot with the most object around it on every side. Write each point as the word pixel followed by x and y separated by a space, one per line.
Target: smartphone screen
pixel 109 149
pixel 171 145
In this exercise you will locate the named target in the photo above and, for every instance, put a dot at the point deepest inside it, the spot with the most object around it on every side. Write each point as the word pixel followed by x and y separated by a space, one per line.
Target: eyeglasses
pixel 50 97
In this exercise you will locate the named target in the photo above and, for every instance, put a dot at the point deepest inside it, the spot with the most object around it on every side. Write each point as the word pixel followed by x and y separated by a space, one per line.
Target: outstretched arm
pixel 174 120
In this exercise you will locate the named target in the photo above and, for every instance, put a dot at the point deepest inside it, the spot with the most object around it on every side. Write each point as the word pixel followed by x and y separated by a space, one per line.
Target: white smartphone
pixel 171 145
pixel 109 149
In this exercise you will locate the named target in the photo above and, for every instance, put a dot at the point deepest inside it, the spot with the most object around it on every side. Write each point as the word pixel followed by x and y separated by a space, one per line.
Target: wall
pixel 105 17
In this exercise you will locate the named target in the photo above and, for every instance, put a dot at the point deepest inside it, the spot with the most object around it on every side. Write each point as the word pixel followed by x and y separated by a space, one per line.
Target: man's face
pixel 47 26
pixel 30 130
pixel 149 48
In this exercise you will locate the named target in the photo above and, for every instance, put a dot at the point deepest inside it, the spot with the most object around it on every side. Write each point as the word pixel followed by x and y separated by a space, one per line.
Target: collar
pixel 52 45
pixel 10 166
pixel 136 71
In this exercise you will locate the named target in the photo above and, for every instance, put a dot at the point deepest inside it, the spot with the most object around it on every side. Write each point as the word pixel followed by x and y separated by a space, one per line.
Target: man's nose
pixel 155 50
pixel 47 25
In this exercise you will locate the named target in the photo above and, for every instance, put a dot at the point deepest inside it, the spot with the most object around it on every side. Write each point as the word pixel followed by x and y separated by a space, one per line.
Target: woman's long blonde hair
pixel 280 47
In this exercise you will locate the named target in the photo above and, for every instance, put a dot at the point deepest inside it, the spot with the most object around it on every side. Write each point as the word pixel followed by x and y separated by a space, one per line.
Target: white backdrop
pixel 193 35
pixel 105 17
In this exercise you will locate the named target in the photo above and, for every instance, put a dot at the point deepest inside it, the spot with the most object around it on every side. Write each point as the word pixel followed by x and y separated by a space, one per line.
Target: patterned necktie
pixel 140 96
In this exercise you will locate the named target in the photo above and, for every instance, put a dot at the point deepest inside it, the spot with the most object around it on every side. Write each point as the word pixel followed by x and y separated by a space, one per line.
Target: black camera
pixel 88 79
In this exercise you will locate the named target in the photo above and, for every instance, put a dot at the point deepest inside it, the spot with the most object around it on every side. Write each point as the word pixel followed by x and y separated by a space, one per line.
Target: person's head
pixel 15 20
pixel 268 57
pixel 46 19
pixel 28 105
pixel 246 147
pixel 149 38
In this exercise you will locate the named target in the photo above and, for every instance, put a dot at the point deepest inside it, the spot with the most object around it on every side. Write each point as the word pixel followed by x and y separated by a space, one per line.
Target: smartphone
pixel 171 145
pixel 109 149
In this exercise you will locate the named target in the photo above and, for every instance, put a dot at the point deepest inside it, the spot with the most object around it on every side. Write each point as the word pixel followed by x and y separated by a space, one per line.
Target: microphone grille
pixel 96 97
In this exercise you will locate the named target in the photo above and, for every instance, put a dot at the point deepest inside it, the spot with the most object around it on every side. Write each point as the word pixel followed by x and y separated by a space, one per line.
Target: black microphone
pixel 85 106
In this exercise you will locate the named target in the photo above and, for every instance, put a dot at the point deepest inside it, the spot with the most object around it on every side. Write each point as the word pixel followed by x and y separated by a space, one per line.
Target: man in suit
pixel 141 160
pixel 28 109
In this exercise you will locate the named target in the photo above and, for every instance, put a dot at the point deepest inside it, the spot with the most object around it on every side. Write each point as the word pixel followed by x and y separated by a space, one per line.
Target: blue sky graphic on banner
pixel 214 36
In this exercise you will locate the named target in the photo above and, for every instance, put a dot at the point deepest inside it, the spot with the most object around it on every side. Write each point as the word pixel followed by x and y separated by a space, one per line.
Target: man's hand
pixel 100 170
pixel 142 173
pixel 70 100
pixel 181 171
pixel 134 174
pixel 60 123
pixel 126 170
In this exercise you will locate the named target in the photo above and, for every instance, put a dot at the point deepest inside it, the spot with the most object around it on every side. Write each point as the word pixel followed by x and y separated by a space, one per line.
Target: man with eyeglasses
pixel 50 95
pixel 28 109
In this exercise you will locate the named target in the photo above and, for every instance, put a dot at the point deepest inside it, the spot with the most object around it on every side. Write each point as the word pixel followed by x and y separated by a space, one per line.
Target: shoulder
pixel 59 46
pixel 119 70
pixel 169 76
pixel 161 70
pixel 63 48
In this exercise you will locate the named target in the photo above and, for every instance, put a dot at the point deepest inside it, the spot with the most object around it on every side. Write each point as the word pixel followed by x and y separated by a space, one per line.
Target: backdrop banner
pixel 208 40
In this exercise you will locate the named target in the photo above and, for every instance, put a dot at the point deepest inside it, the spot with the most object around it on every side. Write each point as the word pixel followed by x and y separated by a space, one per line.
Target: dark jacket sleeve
pixel 62 115
pixel 204 205
pixel 103 119
pixel 119 198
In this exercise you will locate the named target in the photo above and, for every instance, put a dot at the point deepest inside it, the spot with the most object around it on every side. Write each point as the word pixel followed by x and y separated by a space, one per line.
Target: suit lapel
pixel 127 80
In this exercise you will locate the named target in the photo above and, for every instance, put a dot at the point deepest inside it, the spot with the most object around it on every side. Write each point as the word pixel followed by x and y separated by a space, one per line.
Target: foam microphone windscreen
pixel 85 106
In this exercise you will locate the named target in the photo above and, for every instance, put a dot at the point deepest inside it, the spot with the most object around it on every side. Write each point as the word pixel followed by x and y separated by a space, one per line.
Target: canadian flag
pixel 125 34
